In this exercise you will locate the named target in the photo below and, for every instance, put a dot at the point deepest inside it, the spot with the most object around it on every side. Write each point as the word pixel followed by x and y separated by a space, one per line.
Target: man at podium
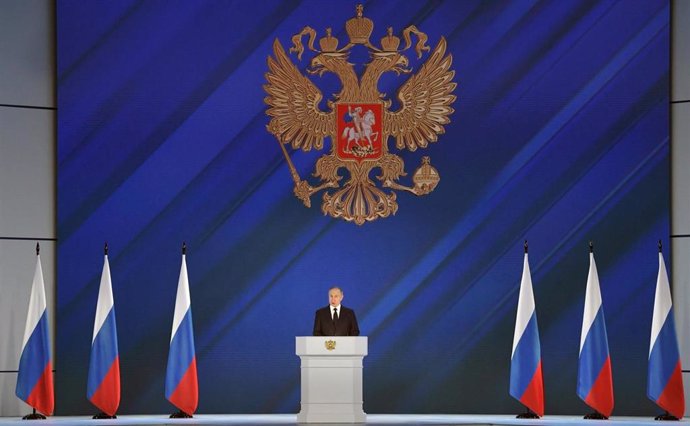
pixel 335 319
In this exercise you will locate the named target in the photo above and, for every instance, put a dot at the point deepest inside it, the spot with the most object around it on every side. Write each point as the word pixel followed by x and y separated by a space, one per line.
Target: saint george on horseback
pixel 360 131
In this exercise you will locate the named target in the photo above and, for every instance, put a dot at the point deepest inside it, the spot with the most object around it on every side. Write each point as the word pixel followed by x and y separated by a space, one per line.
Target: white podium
pixel 331 374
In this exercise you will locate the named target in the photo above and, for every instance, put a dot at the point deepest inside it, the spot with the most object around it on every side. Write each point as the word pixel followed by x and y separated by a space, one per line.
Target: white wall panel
pixel 680 277
pixel 27 173
pixel 680 167
pixel 686 388
pixel 11 405
pixel 680 50
pixel 680 180
pixel 27 60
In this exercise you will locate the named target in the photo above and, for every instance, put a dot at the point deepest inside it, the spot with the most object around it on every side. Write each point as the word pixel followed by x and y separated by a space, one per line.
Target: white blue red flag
pixel 181 385
pixel 665 378
pixel 35 378
pixel 103 384
pixel 526 381
pixel 594 378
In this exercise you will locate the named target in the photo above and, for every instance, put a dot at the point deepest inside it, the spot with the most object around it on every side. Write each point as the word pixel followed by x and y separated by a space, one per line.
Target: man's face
pixel 335 296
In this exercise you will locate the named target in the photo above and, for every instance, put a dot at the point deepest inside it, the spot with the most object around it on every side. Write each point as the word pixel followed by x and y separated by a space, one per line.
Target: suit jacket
pixel 345 326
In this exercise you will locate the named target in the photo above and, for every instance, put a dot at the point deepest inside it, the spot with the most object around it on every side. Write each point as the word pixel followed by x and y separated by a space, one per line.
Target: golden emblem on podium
pixel 359 120
pixel 330 345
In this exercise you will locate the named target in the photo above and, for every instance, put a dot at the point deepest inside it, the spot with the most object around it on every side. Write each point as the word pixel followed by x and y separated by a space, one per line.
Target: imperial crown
pixel 328 43
pixel 390 43
pixel 359 28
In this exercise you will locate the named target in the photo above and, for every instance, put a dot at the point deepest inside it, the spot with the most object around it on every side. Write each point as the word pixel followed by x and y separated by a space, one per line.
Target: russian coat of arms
pixel 359 120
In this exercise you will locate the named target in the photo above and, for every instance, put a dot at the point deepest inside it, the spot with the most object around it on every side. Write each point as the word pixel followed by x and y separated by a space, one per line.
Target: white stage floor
pixel 372 419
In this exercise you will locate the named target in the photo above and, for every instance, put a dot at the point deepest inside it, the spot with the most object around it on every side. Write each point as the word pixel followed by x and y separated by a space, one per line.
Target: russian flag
pixel 526 382
pixel 594 379
pixel 181 386
pixel 103 385
pixel 35 378
pixel 664 379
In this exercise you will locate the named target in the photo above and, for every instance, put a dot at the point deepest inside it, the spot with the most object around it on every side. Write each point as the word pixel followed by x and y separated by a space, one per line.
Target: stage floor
pixel 372 419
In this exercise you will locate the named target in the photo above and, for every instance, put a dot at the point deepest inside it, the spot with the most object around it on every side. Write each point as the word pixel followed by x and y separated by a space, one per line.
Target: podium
pixel 331 376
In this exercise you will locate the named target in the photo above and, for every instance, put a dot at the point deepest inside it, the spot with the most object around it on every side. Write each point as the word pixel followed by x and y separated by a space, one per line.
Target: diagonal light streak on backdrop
pixel 459 232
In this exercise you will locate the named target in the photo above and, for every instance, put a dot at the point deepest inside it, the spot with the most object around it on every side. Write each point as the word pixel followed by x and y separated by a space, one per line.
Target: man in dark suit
pixel 335 319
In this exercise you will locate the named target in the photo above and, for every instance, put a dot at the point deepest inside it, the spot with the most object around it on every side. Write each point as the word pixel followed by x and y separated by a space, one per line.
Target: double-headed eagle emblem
pixel 359 120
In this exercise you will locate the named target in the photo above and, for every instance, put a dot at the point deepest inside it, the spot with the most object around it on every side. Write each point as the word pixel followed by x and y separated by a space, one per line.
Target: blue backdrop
pixel 560 136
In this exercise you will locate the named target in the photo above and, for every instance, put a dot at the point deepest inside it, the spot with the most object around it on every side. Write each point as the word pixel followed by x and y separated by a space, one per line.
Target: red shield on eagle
pixel 359 135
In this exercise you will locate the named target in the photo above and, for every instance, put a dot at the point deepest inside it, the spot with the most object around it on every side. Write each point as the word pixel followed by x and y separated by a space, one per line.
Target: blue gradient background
pixel 560 136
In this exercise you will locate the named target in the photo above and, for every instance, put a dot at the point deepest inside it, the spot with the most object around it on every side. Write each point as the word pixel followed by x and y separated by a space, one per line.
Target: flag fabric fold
pixel 594 377
pixel 526 380
pixel 181 385
pixel 665 378
pixel 35 378
pixel 103 384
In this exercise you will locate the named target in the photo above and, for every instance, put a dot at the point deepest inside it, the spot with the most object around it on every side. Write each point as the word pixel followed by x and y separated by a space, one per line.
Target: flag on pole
pixel 35 378
pixel 526 382
pixel 664 378
pixel 103 384
pixel 181 386
pixel 594 379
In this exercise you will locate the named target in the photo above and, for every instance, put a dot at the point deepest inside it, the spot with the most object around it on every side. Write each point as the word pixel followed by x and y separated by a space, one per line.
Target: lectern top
pixel 331 345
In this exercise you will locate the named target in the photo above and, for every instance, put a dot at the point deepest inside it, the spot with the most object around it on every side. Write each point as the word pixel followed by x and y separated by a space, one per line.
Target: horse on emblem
pixel 360 131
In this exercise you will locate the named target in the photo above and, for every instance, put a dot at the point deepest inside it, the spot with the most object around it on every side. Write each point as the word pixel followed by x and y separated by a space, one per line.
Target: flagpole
pixel 102 415
pixel 179 414
pixel 528 414
pixel 596 415
pixel 666 415
pixel 530 393
pixel 34 414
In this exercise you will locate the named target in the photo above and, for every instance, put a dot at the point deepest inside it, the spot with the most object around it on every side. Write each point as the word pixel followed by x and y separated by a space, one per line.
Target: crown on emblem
pixel 359 28
pixel 328 43
pixel 390 43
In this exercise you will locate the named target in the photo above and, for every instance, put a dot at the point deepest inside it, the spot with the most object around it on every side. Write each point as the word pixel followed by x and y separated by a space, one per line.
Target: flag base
pixel 595 416
pixel 666 416
pixel 104 416
pixel 34 416
pixel 181 415
pixel 529 414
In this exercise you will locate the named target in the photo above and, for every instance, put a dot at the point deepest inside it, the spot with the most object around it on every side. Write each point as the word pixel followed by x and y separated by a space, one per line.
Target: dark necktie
pixel 335 314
